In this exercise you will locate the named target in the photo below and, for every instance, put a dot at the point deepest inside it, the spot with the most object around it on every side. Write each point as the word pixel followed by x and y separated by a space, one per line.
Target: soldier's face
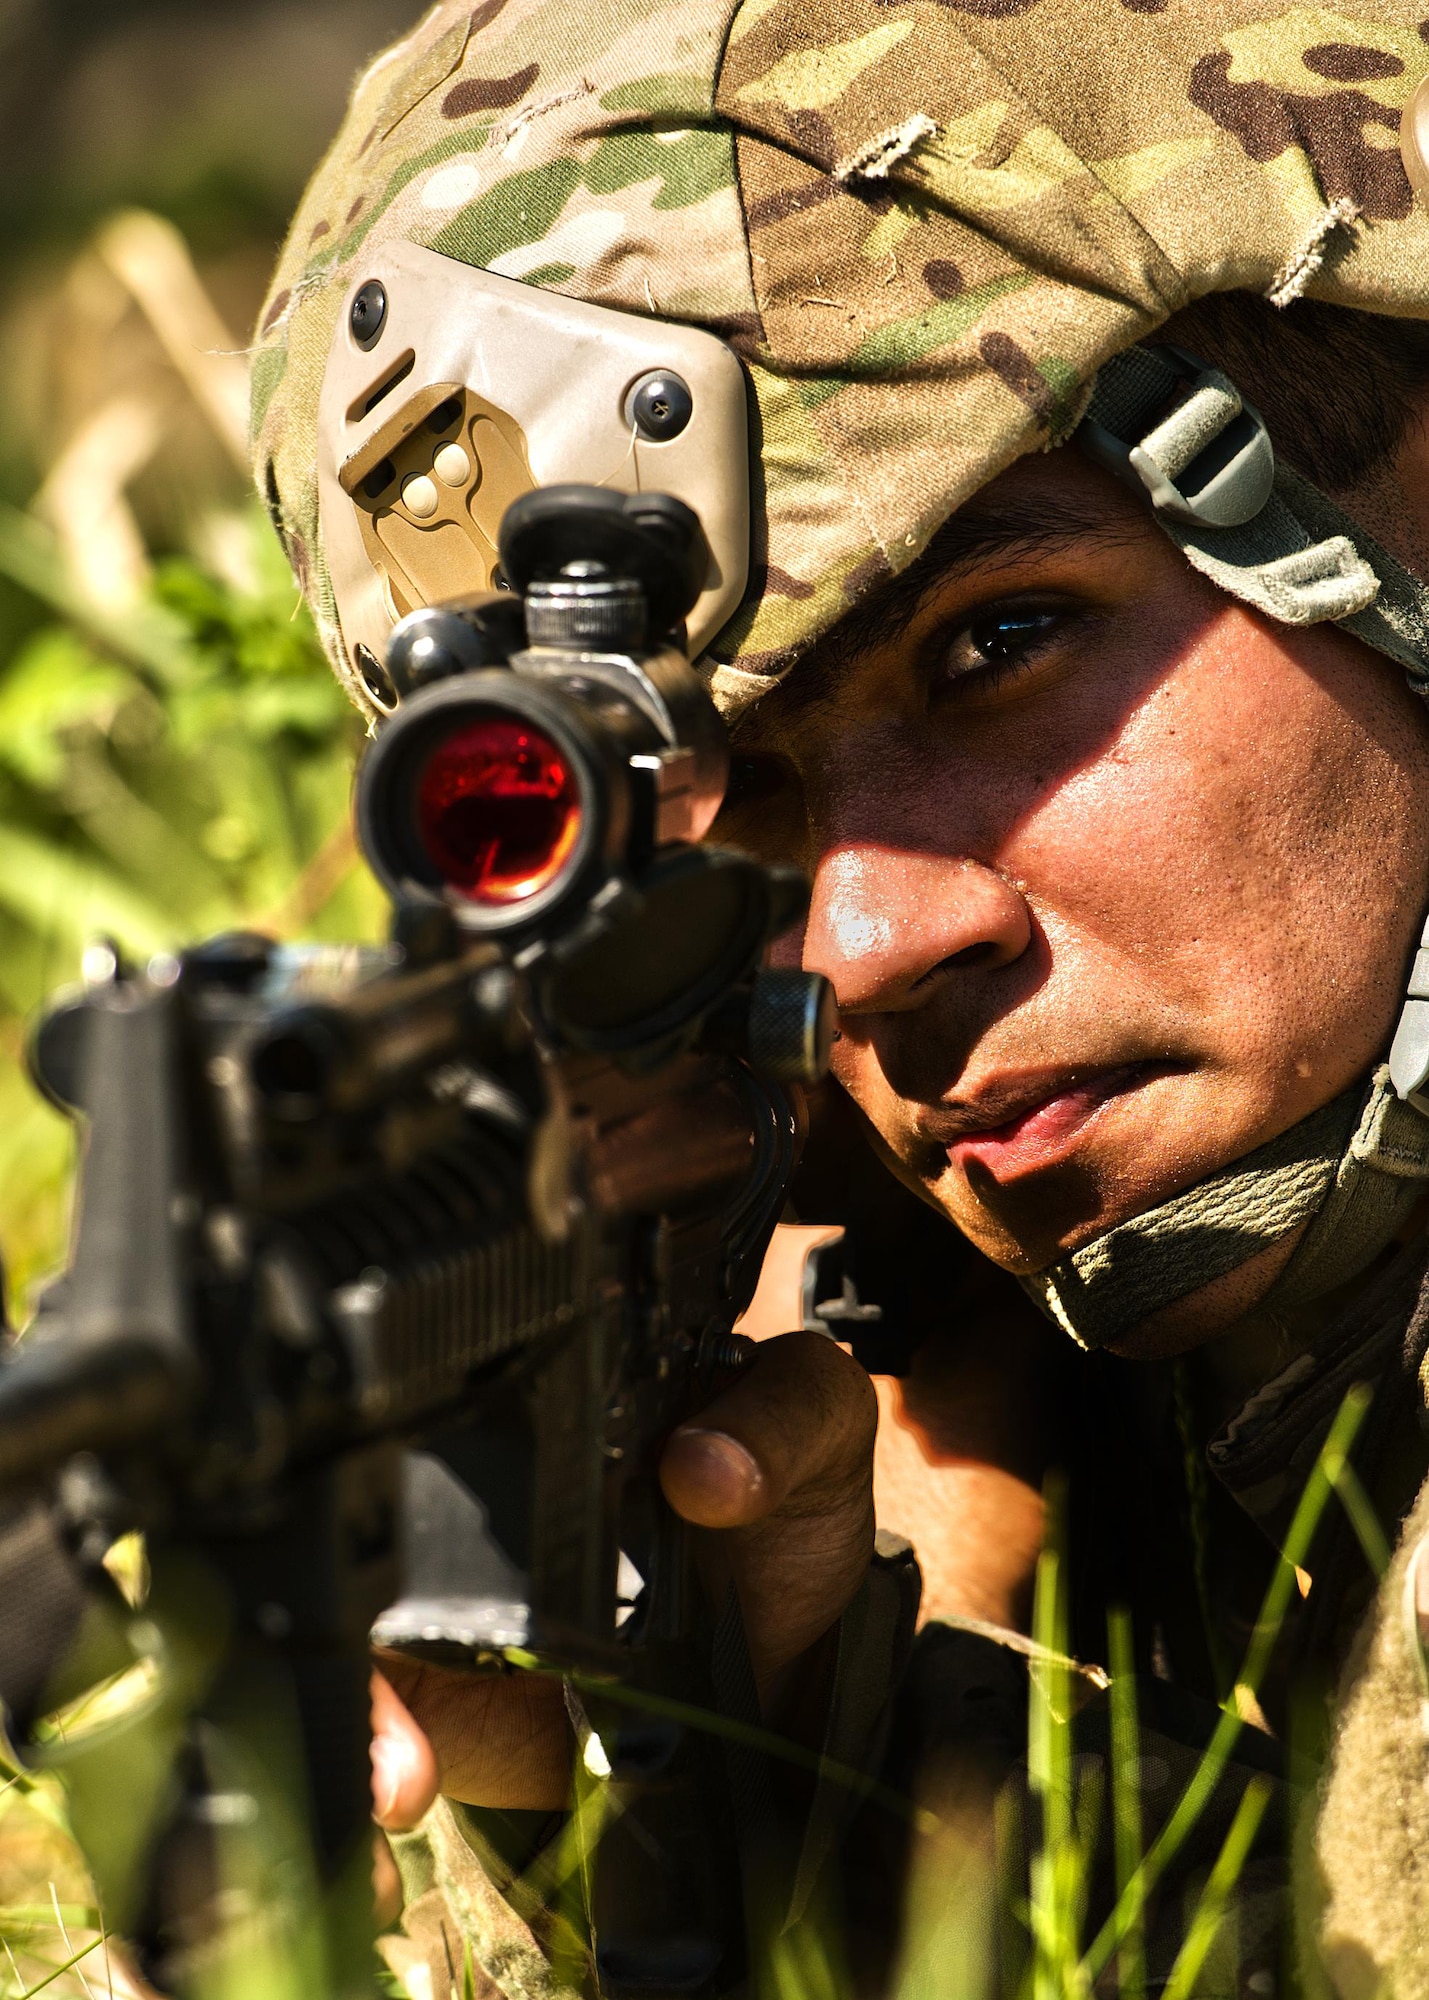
pixel 1115 879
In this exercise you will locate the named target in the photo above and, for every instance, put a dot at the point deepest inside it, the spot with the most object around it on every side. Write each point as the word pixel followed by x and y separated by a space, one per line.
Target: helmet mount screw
pixel 659 406
pixel 375 678
pixel 369 314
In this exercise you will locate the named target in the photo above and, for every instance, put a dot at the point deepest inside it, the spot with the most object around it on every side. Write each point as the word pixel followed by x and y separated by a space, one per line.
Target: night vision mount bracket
pixel 451 391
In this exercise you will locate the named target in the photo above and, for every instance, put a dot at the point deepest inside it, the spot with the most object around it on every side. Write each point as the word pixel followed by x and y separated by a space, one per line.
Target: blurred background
pixel 174 758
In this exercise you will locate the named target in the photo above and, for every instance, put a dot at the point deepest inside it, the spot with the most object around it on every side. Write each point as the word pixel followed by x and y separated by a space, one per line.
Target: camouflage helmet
pixel 921 225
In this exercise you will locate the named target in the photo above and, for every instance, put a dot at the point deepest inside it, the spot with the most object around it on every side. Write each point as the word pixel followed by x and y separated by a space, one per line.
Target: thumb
pixel 404 1767
pixel 796 1428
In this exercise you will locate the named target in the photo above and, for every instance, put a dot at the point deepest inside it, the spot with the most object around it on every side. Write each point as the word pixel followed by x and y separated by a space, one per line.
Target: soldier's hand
pixel 778 1470
pixel 781 1467
pixel 491 1740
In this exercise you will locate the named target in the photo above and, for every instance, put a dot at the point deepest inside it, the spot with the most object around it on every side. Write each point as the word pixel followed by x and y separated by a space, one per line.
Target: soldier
pixel 1067 612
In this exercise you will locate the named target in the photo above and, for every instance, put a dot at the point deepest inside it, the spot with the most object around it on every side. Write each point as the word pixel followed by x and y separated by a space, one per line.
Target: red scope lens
pixel 498 810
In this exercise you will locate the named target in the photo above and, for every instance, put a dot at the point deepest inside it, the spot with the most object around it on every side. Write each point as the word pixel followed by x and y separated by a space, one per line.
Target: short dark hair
pixel 1338 388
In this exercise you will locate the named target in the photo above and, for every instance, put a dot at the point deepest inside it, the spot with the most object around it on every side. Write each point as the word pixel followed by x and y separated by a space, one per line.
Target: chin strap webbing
pixel 1180 434
pixel 1353 1171
pixel 1111 1284
pixel 1378 1181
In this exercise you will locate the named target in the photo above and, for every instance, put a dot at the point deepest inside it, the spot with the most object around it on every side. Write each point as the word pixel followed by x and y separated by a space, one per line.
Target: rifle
pixel 498 1190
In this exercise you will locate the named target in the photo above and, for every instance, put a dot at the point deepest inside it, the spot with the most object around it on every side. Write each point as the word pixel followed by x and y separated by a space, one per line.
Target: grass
pixel 965 1916
pixel 1028 1914
pixel 183 774
pixel 50 1929
pixel 175 760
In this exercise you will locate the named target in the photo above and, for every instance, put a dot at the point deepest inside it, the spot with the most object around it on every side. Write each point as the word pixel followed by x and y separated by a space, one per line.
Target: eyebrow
pixel 982 538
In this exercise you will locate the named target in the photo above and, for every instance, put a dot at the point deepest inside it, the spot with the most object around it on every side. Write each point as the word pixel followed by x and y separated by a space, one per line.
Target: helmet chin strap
pixel 1180 435
pixel 1352 1171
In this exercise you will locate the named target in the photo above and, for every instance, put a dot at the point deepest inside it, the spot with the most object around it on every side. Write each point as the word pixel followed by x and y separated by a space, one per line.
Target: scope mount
pixel 581 537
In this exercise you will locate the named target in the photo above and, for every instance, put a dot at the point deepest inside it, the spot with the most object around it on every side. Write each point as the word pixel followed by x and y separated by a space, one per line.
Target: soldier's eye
pixel 992 648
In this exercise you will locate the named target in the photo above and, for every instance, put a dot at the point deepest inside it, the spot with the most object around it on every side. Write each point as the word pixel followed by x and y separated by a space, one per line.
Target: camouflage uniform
pixel 923 225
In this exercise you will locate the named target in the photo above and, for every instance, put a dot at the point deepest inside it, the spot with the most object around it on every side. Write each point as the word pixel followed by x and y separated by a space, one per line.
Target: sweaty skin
pixel 1110 910
pixel 1115 881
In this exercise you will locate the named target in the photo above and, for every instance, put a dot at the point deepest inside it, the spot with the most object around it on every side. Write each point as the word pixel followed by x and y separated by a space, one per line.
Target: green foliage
pixel 1034 1910
pixel 178 767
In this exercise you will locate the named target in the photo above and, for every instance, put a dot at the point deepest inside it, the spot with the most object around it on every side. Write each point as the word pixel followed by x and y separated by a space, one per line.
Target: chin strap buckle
pixel 1206 461
pixel 1184 439
pixel 1409 1054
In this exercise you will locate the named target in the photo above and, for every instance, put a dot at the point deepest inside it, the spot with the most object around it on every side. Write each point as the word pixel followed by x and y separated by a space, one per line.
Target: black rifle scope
pixel 554 759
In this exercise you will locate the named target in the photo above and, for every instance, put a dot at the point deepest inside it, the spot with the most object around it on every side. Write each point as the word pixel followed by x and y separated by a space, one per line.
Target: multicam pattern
pixel 567 146
pixel 923 224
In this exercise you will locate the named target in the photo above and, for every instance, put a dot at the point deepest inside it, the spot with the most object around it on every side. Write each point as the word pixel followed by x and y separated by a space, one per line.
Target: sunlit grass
pixel 175 760
pixel 971 1899
pixel 180 770
pixel 1127 1830
pixel 1008 1915
pixel 52 1936
pixel 1279 1596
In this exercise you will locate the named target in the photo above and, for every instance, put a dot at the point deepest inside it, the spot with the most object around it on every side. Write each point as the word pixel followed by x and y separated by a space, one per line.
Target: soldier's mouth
pixel 1043 1122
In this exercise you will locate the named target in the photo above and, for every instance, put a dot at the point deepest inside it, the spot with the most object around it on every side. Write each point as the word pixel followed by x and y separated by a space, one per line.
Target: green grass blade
pixel 1127 1831
pixel 1360 1509
pixel 1211 1908
pixel 1046 1754
pixel 60 1970
pixel 24 1917
pixel 1058 1866
pixel 745 1733
pixel 1276 1603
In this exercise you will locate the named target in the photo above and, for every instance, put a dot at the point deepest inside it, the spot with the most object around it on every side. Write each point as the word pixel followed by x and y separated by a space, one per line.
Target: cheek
pixel 1254 846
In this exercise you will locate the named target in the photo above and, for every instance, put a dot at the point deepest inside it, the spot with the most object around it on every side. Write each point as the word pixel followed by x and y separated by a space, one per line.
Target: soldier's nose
pixel 886 925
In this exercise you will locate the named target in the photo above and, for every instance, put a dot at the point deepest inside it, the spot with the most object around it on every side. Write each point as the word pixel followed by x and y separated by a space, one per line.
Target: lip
pixel 1016 1127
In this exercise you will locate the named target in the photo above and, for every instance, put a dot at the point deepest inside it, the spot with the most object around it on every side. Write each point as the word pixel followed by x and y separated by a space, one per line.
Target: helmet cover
pixel 921 226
